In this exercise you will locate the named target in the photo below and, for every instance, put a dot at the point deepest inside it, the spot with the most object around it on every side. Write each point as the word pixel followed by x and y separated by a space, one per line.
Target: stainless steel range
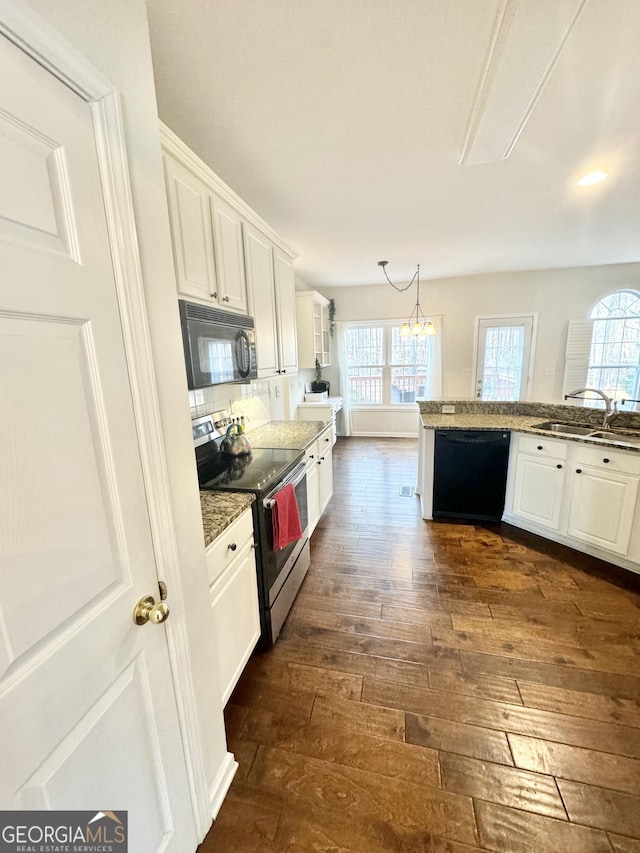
pixel 263 472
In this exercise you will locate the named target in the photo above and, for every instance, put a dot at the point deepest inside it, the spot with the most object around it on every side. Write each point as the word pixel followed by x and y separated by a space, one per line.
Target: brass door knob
pixel 147 610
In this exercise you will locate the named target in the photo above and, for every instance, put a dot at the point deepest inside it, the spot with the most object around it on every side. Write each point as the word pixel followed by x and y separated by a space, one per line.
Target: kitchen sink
pixel 609 435
pixel 592 434
pixel 566 429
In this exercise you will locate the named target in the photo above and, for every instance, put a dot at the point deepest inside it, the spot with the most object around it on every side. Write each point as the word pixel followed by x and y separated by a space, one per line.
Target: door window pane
pixel 503 357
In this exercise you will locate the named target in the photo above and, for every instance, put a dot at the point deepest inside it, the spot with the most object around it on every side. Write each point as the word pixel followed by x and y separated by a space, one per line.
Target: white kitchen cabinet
pixel 319 476
pixel 603 498
pixel 538 481
pixel 580 494
pixel 270 281
pixel 233 595
pixel 191 232
pixel 313 487
pixel 312 313
pixel 227 229
pixel 322 410
pixel 206 219
pixel 286 311
pixel 258 254
pixel 325 449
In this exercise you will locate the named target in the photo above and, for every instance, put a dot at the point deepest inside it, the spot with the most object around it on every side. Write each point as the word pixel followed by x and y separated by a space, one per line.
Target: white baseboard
pixel 384 435
pixel 582 547
pixel 222 782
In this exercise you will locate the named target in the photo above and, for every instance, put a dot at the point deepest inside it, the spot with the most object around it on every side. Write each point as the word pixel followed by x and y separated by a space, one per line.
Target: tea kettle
pixel 235 443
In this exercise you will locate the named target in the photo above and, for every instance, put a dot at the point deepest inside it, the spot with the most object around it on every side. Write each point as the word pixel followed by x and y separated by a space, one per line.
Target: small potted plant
pixel 318 386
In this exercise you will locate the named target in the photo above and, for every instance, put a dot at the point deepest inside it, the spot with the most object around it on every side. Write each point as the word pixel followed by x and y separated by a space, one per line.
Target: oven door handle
pixel 294 479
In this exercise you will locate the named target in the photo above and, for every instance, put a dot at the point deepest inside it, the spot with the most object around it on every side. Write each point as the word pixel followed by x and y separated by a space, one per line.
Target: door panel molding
pixel 29 31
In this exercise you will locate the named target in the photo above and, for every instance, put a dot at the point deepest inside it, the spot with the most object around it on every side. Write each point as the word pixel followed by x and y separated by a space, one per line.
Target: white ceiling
pixel 343 124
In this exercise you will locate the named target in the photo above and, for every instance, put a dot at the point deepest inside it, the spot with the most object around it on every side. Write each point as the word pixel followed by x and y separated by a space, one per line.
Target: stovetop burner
pixel 252 472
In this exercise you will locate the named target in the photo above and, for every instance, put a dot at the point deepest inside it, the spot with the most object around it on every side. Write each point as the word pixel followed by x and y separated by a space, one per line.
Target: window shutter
pixel 576 365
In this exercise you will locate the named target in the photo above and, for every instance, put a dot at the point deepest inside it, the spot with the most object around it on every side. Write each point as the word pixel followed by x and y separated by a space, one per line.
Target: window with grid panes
pixel 385 368
pixel 614 362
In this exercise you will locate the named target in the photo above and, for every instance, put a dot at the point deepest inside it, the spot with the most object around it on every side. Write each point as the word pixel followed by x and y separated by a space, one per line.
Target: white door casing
pixel 86 698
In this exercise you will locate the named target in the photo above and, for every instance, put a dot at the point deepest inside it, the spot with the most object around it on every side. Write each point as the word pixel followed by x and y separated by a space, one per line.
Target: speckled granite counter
pixel 219 509
pixel 524 417
pixel 295 434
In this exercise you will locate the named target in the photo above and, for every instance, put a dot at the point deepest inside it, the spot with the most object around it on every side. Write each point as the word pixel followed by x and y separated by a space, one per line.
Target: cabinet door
pixel 326 477
pixel 190 219
pixel 227 227
pixel 259 265
pixel 537 493
pixel 602 507
pixel 286 307
pixel 236 618
pixel 313 495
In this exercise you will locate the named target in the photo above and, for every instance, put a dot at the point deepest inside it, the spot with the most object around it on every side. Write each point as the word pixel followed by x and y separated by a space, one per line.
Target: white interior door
pixel 87 709
pixel 503 358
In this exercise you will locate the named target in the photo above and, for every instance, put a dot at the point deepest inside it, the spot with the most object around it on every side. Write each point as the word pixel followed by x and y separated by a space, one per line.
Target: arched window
pixel 614 361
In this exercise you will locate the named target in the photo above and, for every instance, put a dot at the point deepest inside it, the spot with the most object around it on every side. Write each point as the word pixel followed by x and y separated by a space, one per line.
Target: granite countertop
pixel 219 509
pixel 513 422
pixel 294 434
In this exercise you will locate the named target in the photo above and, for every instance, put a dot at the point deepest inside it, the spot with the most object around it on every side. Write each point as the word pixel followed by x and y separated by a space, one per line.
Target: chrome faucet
pixel 610 406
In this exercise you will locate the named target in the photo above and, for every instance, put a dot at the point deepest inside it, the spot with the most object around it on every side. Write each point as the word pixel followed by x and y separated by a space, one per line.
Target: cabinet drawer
pixel 325 440
pixel 228 545
pixel 542 446
pixel 312 452
pixel 606 458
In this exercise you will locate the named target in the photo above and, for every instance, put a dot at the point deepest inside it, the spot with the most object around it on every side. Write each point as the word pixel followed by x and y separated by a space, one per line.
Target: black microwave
pixel 219 347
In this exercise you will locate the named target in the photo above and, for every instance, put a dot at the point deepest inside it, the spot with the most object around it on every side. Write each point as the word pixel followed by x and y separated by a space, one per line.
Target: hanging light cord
pixel 416 275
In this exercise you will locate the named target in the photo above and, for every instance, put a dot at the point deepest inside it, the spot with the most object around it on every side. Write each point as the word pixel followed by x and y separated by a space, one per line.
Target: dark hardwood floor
pixel 438 688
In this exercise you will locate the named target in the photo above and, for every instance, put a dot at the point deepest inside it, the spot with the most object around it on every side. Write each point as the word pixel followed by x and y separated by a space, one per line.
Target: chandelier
pixel 417 324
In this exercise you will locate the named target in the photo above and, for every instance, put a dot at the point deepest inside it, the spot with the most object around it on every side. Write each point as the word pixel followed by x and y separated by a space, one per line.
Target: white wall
pixel 114 37
pixel 556 295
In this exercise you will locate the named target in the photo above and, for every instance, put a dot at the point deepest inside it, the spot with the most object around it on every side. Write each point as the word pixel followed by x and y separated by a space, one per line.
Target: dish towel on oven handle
pixel 285 518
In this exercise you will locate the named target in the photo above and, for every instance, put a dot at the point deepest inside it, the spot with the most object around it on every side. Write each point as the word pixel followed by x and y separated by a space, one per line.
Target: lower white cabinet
pixel 539 480
pixel 313 487
pixel 233 596
pixel 319 476
pixel 325 448
pixel 603 500
pixel 323 410
pixel 583 495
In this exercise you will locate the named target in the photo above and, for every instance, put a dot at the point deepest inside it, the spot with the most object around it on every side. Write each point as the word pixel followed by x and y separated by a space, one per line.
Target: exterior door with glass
pixel 503 358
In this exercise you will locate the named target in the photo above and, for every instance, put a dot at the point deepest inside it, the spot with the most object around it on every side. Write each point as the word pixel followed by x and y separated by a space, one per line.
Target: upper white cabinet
pixel 270 280
pixel 227 256
pixel 312 314
pixel 286 306
pixel 227 229
pixel 190 219
pixel 258 255
pixel 207 241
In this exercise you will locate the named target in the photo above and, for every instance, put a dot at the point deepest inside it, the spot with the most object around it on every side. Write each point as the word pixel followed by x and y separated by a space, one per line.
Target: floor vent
pixel 406 491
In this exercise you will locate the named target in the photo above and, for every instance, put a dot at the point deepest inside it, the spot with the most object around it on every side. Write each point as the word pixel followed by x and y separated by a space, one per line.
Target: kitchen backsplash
pixel 252 400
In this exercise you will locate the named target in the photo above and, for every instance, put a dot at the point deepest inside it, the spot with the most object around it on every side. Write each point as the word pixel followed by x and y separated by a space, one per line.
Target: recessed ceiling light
pixel 593 178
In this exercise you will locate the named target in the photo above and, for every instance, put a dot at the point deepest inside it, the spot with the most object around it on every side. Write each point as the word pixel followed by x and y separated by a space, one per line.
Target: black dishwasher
pixel 470 474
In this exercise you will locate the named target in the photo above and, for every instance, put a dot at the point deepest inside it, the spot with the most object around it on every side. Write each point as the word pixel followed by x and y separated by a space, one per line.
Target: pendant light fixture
pixel 417 324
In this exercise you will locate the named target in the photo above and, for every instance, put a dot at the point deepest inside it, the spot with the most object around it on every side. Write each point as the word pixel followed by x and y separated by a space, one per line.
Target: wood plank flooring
pixel 438 688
